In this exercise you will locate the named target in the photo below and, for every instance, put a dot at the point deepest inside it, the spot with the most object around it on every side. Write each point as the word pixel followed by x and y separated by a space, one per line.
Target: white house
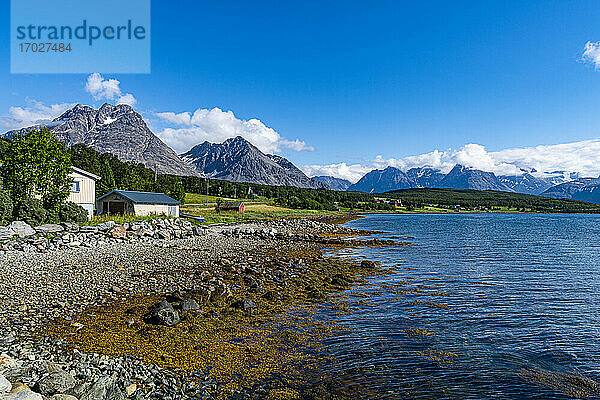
pixel 83 189
pixel 138 203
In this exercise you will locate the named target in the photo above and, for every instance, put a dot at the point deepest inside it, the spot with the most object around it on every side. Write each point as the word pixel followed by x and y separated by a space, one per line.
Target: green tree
pixel 107 183
pixel 178 191
pixel 37 163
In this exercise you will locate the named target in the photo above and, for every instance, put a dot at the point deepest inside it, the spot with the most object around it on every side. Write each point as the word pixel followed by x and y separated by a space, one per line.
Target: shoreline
pixel 239 262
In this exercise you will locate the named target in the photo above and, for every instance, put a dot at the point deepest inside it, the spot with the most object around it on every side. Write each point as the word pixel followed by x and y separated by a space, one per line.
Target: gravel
pixel 36 288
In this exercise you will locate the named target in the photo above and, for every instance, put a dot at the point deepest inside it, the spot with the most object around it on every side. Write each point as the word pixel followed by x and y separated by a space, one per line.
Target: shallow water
pixel 509 304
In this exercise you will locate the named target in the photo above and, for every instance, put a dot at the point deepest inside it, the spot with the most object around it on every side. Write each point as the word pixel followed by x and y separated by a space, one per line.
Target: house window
pixel 75 187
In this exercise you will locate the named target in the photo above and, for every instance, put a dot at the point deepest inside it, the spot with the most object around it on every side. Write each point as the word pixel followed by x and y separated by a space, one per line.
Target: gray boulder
pixel 5 385
pixel 22 229
pixel 104 389
pixel 57 382
pixel 25 395
pixel 49 228
pixel 106 226
pixel 6 233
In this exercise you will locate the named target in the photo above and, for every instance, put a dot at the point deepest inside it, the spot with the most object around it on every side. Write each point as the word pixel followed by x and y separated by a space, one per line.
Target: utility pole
pixel 207 182
pixel 235 192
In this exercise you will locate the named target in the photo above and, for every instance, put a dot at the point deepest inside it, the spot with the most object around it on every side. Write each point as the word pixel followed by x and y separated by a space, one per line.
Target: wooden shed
pixel 139 203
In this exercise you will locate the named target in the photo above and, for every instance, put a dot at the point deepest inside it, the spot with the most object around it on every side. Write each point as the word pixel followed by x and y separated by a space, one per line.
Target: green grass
pixel 121 219
pixel 198 198
pixel 254 212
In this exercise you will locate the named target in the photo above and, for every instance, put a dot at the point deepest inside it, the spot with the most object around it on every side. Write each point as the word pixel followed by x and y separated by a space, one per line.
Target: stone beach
pixel 55 281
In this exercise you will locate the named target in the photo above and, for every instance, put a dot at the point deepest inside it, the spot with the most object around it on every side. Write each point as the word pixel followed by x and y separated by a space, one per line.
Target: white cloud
pixel 296 145
pixel 591 54
pixel 34 113
pixel 215 125
pixel 582 157
pixel 342 170
pixel 107 89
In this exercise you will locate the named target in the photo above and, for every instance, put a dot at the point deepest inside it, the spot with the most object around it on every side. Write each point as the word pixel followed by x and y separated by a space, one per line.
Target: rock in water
pixel 57 382
pixel 104 389
pixel 367 264
pixel 162 313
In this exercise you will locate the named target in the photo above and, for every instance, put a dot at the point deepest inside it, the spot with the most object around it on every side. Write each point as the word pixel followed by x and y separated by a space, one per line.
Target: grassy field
pixel 197 198
pixel 253 212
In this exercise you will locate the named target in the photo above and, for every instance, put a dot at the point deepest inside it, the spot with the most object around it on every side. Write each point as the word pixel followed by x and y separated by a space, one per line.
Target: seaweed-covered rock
pixel 244 305
pixel 162 313
pixel 189 305
pixel 367 264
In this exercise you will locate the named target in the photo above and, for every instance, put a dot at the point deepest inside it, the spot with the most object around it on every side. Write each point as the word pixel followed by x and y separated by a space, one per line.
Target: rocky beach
pixel 167 310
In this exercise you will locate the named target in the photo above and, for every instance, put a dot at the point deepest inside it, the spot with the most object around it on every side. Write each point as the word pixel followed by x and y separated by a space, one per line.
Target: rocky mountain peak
pixel 119 130
pixel 238 160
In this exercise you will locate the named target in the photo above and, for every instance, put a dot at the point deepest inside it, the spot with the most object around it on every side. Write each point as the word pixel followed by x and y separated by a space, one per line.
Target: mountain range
pixel 461 177
pixel 123 132
pixel 333 183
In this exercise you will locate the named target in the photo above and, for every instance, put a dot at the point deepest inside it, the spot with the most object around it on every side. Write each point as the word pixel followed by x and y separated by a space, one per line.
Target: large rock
pixel 244 304
pixel 162 313
pixel 22 229
pixel 189 305
pixel 104 389
pixel 118 232
pixel 57 382
pixel 25 395
pixel 6 233
pixel 106 226
pixel 49 228
pixel 5 385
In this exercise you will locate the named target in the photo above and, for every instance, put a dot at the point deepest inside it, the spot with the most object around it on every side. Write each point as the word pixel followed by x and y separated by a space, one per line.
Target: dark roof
pixel 144 197
pixel 231 204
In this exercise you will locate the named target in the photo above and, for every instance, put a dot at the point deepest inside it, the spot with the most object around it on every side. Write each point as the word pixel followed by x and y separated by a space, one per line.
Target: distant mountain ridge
pixel 460 177
pixel 118 130
pixel 380 181
pixel 238 160
pixel 333 183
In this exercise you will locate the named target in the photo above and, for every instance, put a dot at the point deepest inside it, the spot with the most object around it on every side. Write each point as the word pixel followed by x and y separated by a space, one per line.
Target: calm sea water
pixel 510 305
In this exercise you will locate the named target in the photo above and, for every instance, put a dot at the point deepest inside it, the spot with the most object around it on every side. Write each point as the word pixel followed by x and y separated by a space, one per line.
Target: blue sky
pixel 357 80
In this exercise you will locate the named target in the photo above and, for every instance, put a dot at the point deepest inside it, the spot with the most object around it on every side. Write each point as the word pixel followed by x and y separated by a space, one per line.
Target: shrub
pixel 31 211
pixel 71 212
pixel 6 207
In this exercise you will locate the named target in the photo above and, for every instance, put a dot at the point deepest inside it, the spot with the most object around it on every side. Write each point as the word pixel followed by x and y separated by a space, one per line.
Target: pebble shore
pixel 39 287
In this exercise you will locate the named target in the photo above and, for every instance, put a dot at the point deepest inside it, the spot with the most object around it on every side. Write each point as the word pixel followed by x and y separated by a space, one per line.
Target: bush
pixel 31 211
pixel 71 212
pixel 6 207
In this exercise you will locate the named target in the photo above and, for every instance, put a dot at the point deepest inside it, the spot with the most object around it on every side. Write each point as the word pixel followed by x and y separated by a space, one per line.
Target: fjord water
pixel 510 304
